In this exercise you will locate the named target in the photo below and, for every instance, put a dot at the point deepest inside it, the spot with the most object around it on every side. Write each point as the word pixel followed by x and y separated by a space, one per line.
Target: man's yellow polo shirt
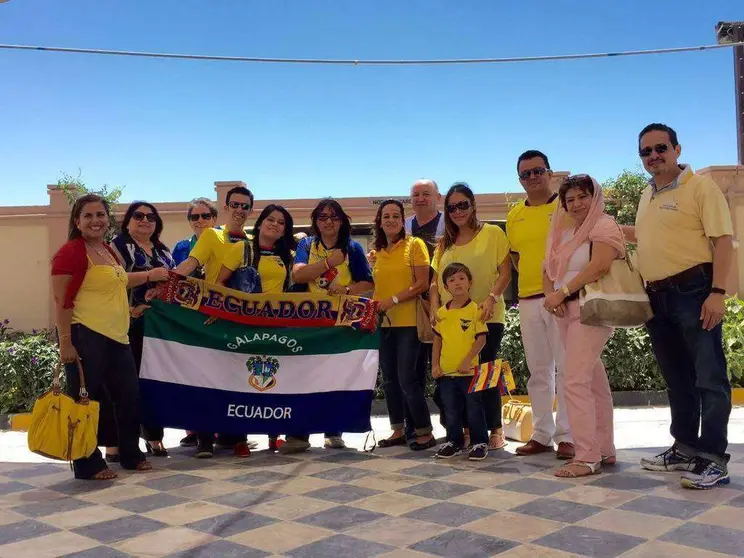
pixel 215 249
pixel 527 229
pixel 393 273
pixel 674 225
pixel 458 328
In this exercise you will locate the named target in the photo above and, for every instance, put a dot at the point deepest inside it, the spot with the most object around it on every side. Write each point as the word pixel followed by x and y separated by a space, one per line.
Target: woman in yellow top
pixel 484 249
pixel 401 273
pixel 92 316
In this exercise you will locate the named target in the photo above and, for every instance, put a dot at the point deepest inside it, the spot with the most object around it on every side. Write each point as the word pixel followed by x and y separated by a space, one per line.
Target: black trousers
pixel 491 399
pixel 150 432
pixel 110 378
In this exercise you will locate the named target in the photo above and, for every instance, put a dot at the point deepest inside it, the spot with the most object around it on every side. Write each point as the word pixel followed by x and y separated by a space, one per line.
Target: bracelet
pixel 494 297
pixel 325 263
pixel 348 289
pixel 718 290
pixel 566 291
pixel 67 336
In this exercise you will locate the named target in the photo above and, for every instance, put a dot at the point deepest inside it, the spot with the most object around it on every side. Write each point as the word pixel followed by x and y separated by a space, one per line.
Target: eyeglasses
pixel 238 205
pixel 196 216
pixel 659 148
pixel 537 171
pixel 326 218
pixel 139 216
pixel 462 206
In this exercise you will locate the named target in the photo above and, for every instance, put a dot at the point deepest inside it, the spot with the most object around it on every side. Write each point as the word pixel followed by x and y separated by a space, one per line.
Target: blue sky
pixel 167 130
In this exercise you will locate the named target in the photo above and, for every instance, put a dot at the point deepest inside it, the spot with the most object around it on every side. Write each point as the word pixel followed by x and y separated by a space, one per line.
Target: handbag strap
pixel 81 377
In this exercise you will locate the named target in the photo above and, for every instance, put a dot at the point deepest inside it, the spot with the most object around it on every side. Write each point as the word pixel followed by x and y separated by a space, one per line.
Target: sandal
pixel 390 442
pixel 609 460
pixel 157 452
pixel 143 466
pixel 105 474
pixel 576 469
pixel 496 440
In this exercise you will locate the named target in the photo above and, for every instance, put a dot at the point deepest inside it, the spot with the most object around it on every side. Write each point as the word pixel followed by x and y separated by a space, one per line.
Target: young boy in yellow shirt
pixel 460 336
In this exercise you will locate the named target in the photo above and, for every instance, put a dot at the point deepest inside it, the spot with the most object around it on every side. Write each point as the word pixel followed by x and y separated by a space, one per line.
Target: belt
pixel 680 278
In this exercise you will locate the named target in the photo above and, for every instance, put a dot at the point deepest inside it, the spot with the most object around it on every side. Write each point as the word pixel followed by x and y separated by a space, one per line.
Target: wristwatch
pixel 348 289
pixel 494 297
pixel 566 290
pixel 718 290
pixel 395 299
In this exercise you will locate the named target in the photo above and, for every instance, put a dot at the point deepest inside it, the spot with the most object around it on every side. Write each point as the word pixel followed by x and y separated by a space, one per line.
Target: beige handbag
pixel 516 418
pixel 423 321
pixel 617 299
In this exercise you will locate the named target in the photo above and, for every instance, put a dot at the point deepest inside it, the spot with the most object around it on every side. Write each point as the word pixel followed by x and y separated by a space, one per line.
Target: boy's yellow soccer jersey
pixel 458 328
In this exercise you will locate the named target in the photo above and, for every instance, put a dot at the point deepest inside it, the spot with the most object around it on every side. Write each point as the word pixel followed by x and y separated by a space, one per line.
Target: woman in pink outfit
pixel 582 244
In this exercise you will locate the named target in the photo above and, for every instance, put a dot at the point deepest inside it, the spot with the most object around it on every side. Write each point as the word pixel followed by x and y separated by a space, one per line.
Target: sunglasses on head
pixel 537 171
pixel 659 148
pixel 196 216
pixel 462 206
pixel 139 216
pixel 324 218
pixel 238 205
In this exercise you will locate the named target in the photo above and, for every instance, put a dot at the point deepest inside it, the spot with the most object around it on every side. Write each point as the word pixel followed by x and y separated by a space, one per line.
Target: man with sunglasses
pixel 527 226
pixel 215 248
pixel 684 236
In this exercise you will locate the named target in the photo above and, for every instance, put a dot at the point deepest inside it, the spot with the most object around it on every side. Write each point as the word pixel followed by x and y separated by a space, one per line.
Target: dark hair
pixel 238 190
pixel 656 127
pixel 155 236
pixel 283 246
pixel 77 209
pixel 380 236
pixel 532 154
pixel 344 233
pixel 582 182
pixel 202 201
pixel 453 268
pixel 450 229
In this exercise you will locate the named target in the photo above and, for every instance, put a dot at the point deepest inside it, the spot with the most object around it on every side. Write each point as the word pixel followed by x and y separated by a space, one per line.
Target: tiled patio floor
pixel 392 503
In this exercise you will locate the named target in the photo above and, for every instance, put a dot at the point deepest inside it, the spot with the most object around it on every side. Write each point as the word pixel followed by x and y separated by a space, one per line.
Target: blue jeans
pixel 455 397
pixel 694 367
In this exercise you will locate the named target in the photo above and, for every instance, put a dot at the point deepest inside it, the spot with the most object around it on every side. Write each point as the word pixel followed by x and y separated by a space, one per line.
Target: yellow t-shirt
pixel 215 249
pixel 339 275
pixel 102 304
pixel 527 229
pixel 674 226
pixel 393 273
pixel 482 255
pixel 458 328
pixel 273 272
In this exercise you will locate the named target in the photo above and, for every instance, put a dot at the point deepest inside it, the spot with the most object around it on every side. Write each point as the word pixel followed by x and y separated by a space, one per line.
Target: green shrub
pixel 27 363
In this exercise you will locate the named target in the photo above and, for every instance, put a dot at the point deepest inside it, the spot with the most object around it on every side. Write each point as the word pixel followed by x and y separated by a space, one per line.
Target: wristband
pixel 718 290
pixel 325 263
pixel 395 299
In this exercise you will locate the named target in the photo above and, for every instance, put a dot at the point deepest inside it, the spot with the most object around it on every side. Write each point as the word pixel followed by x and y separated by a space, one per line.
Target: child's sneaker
pixel 448 450
pixel 478 452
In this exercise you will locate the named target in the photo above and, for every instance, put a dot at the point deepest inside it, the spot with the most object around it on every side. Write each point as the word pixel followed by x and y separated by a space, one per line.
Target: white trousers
pixel 544 353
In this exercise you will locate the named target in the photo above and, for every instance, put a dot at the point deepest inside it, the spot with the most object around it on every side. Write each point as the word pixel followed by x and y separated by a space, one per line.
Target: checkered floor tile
pixel 393 502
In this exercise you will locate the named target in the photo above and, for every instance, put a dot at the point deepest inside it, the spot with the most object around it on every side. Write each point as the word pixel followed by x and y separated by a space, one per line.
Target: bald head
pixel 425 198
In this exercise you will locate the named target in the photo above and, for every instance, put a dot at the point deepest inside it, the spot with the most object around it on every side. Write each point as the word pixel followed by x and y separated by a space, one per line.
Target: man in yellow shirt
pixel 214 249
pixel 685 248
pixel 527 226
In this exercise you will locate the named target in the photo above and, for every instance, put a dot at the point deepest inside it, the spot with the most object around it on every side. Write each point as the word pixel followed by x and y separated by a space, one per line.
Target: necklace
pixel 109 259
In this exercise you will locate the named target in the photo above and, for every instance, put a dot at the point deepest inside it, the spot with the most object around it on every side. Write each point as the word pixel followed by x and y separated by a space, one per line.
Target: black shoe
pixel 205 451
pixel 157 452
pixel 448 450
pixel 188 441
pixel 390 442
pixel 415 446
pixel 478 452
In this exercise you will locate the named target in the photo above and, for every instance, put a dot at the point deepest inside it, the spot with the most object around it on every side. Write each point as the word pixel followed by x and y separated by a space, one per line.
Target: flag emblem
pixel 263 371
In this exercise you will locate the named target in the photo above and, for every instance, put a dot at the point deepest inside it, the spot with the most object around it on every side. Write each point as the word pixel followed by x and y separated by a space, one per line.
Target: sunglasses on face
pixel 538 171
pixel 329 218
pixel 196 216
pixel 462 206
pixel 659 148
pixel 139 216
pixel 238 205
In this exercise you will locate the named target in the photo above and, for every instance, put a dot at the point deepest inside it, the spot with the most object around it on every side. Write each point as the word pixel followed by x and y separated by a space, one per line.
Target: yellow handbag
pixel 62 428
pixel 516 418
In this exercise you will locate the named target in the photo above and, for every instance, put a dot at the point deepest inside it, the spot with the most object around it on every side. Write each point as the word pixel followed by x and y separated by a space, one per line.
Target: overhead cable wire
pixel 350 62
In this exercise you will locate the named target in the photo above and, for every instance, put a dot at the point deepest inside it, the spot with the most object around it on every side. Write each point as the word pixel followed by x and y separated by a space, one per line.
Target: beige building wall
pixel 29 236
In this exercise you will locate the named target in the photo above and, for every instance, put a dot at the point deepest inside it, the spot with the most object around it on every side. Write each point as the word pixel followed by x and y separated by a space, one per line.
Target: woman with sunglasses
pixel 329 261
pixel 401 273
pixel 141 250
pixel 273 244
pixel 484 249
pixel 582 244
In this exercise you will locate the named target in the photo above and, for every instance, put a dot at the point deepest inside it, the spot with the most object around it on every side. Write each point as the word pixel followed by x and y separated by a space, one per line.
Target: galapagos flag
pixel 223 376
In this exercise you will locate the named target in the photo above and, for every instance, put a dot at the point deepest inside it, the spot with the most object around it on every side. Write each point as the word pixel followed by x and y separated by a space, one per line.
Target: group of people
pixel 557 241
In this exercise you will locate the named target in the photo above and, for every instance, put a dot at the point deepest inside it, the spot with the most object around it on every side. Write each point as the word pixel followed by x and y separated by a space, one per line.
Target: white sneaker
pixel 335 442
